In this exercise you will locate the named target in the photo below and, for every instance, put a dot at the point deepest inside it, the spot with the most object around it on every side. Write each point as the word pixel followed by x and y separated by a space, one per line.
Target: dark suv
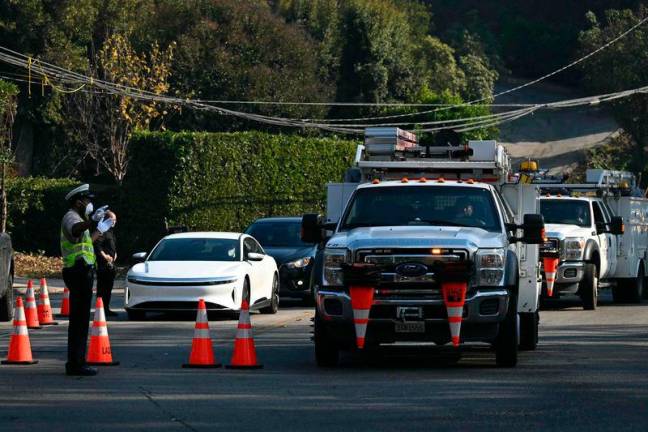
pixel 280 237
pixel 6 278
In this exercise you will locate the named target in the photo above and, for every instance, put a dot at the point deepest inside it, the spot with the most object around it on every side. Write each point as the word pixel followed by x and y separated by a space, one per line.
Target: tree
pixel 101 123
pixel 619 67
pixel 8 94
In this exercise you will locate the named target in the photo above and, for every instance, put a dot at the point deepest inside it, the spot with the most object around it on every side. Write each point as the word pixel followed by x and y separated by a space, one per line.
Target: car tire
pixel 327 353
pixel 6 302
pixel 506 343
pixel 135 315
pixel 589 287
pixel 529 331
pixel 273 308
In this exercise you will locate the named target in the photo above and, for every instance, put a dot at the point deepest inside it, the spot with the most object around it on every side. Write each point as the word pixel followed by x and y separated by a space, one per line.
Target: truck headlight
pixel 574 247
pixel 333 260
pixel 299 263
pixel 489 264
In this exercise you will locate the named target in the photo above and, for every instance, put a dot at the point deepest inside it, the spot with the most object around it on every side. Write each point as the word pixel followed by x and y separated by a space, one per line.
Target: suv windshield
pixel 277 233
pixel 423 205
pixel 196 249
pixel 568 212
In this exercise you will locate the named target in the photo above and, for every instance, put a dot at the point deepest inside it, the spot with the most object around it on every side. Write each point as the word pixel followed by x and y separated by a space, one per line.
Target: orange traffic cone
pixel 99 353
pixel 31 314
pixel 361 301
pixel 454 297
pixel 19 346
pixel 65 305
pixel 44 308
pixel 550 266
pixel 244 356
pixel 202 353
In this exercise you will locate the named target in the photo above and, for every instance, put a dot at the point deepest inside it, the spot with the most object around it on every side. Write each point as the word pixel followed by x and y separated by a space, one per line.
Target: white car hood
pixel 186 270
pixel 417 236
pixel 560 231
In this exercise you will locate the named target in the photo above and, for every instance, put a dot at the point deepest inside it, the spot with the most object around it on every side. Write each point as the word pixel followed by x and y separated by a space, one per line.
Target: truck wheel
pixel 6 302
pixel 589 287
pixel 506 344
pixel 636 287
pixel 327 353
pixel 529 331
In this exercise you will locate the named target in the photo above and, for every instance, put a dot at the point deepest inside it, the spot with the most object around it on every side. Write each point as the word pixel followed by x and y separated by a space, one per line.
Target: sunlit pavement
pixel 590 372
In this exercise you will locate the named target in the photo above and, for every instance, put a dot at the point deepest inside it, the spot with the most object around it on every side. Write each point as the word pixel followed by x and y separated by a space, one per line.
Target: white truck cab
pixel 586 232
pixel 410 217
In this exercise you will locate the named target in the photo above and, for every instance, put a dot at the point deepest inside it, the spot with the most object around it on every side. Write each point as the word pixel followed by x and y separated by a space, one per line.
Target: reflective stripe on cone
pixel 202 352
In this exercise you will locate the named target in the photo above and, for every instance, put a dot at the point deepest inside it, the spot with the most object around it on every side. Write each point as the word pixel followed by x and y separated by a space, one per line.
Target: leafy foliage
pixel 223 181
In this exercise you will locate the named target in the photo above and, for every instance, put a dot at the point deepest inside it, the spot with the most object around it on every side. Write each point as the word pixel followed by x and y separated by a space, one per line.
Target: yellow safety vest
pixel 73 251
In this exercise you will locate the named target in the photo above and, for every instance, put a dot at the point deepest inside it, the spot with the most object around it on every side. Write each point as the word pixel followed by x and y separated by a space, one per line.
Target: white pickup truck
pixel 410 220
pixel 599 232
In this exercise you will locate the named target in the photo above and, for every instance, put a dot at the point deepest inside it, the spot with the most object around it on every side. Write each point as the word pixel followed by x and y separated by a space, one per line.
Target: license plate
pixel 410 327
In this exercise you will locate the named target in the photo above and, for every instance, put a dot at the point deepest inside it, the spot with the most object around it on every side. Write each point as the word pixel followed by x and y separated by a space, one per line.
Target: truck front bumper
pixel 568 276
pixel 483 310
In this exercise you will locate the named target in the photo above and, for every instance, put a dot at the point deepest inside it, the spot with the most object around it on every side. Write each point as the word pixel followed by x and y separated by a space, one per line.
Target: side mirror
pixel 311 228
pixel 253 256
pixel 139 257
pixel 616 225
pixel 534 229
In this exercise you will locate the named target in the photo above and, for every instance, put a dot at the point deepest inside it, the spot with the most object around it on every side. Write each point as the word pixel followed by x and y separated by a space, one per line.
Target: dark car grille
pixel 175 305
pixel 389 312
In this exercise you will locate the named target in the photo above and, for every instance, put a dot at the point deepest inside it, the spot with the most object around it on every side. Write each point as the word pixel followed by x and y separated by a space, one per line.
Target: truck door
pixel 604 239
pixel 614 240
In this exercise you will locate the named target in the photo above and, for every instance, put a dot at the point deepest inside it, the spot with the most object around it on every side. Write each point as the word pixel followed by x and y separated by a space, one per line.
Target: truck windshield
pixel 423 205
pixel 568 212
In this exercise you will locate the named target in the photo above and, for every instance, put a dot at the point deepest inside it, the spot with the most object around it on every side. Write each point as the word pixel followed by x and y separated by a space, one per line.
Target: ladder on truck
pixel 392 153
pixel 600 182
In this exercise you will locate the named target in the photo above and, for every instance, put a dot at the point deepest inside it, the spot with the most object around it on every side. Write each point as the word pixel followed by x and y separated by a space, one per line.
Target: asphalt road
pixel 590 372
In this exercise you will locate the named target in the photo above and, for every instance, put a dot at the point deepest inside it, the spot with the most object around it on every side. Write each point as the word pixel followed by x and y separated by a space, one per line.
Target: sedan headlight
pixel 489 265
pixel 299 263
pixel 574 247
pixel 333 260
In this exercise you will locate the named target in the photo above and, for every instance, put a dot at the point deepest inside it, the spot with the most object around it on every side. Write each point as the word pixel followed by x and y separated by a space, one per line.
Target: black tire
pixel 6 302
pixel 327 353
pixel 589 287
pixel 635 290
pixel 135 315
pixel 506 344
pixel 529 331
pixel 273 308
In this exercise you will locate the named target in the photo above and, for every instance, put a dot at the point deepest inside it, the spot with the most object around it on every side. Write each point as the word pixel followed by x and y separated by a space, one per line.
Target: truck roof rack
pixel 392 153
pixel 599 182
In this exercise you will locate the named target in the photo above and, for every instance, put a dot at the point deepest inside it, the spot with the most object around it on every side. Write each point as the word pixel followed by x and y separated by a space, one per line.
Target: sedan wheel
pixel 273 308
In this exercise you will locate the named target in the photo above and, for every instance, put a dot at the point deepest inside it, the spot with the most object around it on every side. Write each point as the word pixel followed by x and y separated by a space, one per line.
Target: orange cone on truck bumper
pixel 361 301
pixel 550 266
pixel 454 297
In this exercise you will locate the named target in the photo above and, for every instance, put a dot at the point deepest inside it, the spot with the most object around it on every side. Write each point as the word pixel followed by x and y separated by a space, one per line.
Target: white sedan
pixel 221 268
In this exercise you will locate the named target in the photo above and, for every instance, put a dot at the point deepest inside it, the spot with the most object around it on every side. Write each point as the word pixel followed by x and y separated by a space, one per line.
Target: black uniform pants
pixel 105 281
pixel 79 280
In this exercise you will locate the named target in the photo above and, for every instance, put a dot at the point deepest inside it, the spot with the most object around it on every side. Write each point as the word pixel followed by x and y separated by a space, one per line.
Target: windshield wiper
pixel 440 223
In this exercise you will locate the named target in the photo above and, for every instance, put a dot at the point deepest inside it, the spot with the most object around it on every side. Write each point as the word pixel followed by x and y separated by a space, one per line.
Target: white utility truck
pixel 599 232
pixel 410 219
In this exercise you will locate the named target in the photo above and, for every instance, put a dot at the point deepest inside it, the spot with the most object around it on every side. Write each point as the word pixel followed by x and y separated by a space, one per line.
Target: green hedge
pixel 223 181
pixel 36 206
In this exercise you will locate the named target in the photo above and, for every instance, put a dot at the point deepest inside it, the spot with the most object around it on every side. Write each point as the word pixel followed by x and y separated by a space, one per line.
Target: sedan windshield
pixel 196 249
pixel 277 234
pixel 423 205
pixel 568 212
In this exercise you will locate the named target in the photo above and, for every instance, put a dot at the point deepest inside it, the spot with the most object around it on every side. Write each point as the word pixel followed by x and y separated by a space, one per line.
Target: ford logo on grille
pixel 411 269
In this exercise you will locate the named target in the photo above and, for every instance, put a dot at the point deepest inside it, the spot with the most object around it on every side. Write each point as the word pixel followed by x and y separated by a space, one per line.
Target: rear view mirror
pixel 139 257
pixel 534 229
pixel 311 229
pixel 616 225
pixel 253 256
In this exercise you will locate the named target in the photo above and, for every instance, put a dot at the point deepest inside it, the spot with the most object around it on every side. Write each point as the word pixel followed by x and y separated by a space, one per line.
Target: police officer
pixel 78 270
